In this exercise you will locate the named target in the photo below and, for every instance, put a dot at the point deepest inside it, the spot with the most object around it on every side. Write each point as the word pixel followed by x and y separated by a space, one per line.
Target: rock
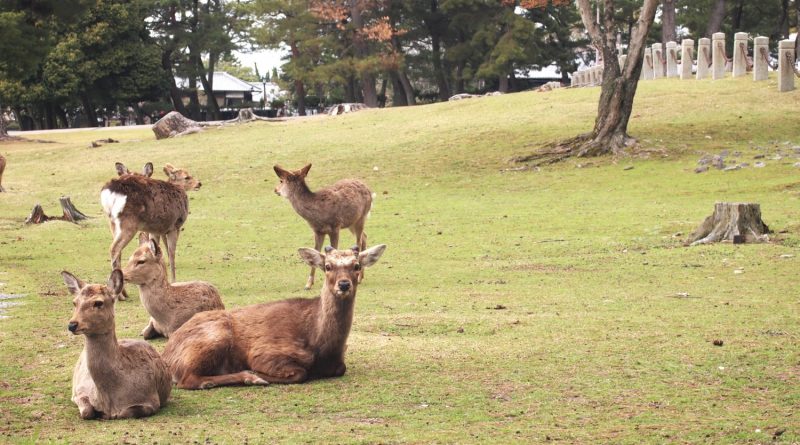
pixel 731 168
pixel 705 160
pixel 759 165
pixel 702 169
pixel 724 153
pixel 797 164
pixel 718 342
pixel 462 96
pixel 744 165
pixel 738 271
pixel 759 156
pixel 630 167
pixel 777 158
pixel 787 255
pixel 718 162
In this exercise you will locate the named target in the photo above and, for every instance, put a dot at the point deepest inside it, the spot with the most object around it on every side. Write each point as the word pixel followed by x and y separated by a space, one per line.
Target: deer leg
pixel 286 374
pixel 171 242
pixel 150 331
pixel 85 408
pixel 123 234
pixel 191 381
pixel 136 411
pixel 318 239
pixel 334 239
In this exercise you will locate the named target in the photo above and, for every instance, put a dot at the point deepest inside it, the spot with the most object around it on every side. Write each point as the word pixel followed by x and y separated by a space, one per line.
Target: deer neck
pixel 153 290
pixel 102 353
pixel 333 322
pixel 303 200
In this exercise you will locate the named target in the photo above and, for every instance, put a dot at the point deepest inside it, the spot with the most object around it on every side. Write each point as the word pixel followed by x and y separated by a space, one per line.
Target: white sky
pixel 266 59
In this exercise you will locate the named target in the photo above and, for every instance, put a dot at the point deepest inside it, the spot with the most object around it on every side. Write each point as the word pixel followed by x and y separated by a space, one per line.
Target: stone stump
pixel 658 61
pixel 174 124
pixel 786 66
pixel 672 59
pixel 703 58
pixel 761 59
pixel 740 54
pixel 718 57
pixel 687 58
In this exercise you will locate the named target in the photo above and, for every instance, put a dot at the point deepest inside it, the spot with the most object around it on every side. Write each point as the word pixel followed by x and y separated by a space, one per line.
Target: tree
pixel 610 133
pixel 668 27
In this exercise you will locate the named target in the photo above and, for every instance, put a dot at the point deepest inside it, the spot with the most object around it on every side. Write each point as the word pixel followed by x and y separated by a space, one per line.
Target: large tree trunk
pixel 732 221
pixel 610 133
pixel 88 109
pixel 174 93
pixel 668 27
pixel 398 95
pixel 407 88
pixel 3 128
pixel 503 83
pixel 299 87
pixel 361 51
pixel 207 79
pixel 716 18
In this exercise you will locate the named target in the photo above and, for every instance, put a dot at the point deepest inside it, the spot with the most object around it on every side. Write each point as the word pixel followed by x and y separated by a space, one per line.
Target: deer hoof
pixel 207 385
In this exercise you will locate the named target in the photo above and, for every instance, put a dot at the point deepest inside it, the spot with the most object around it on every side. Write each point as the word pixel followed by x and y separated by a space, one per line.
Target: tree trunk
pixel 737 16
pixel 361 51
pixel 503 83
pixel 88 109
pixel 69 213
pixel 717 16
pixel 732 221
pixel 300 93
pixel 174 124
pixel 3 129
pixel 207 79
pixel 438 68
pixel 668 27
pixel 174 93
pixel 407 88
pixel 398 93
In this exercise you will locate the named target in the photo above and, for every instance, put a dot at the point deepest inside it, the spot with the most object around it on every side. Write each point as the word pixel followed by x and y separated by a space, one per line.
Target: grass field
pixel 510 307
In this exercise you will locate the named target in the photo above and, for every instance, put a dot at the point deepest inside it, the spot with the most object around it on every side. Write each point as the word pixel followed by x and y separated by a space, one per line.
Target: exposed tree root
pixel 70 213
pixel 581 146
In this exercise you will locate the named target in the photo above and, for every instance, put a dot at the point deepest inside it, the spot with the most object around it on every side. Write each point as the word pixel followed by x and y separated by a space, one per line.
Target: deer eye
pixel 357 267
pixel 328 267
pixel 98 303
pixel 140 262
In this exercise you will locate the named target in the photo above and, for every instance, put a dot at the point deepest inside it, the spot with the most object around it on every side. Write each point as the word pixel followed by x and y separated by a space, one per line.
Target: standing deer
pixel 344 205
pixel 169 305
pixel 2 168
pixel 288 341
pixel 112 380
pixel 136 202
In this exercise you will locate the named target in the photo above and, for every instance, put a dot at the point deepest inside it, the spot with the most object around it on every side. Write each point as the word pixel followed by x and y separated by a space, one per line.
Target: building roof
pixel 223 82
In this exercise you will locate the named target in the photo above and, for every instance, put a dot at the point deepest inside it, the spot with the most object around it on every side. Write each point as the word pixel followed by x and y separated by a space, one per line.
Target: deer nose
pixel 344 285
pixel 199 184
pixel 72 326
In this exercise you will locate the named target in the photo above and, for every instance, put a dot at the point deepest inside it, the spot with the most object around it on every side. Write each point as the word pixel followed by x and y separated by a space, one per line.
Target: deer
pixel 136 202
pixel 284 342
pixel 112 379
pixel 169 305
pixel 344 205
pixel 2 168
pixel 181 178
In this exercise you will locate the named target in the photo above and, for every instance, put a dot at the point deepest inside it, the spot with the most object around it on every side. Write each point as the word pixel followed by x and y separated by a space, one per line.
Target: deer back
pixel 157 206
pixel 340 205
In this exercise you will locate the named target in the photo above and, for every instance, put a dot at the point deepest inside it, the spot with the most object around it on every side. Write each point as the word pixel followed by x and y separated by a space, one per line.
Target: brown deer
pixel 181 178
pixel 136 202
pixel 112 380
pixel 2 168
pixel 344 205
pixel 169 305
pixel 288 341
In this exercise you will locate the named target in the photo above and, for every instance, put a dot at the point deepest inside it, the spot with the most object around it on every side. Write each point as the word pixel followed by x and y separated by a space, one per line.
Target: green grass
pixel 590 345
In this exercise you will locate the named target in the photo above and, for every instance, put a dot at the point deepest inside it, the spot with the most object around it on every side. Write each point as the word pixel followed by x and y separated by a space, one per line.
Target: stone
pixel 761 59
pixel 687 58
pixel 731 168
pixel 672 59
pixel 740 54
pixel 786 66
pixel 647 65
pixel 718 57
pixel 704 168
pixel 658 61
pixel 759 165
pixel 703 58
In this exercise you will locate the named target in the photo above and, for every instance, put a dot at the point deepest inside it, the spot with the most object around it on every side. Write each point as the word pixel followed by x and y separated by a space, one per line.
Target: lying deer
pixel 169 305
pixel 136 202
pixel 2 168
pixel 181 178
pixel 288 341
pixel 344 205
pixel 112 380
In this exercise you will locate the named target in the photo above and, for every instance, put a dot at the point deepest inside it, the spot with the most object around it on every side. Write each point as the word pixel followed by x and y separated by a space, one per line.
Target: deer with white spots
pixel 343 205
pixel 287 341
pixel 112 379
pixel 135 202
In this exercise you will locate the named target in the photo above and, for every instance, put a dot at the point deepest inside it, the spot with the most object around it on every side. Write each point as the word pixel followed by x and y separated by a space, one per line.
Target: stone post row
pixel 740 54
pixel 703 58
pixel 786 66
pixel 761 59
pixel 687 58
pixel 718 58
pixel 672 59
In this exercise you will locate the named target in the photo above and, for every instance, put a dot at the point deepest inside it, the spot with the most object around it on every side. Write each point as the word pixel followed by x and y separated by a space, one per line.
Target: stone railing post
pixel 647 64
pixel 703 58
pixel 740 54
pixel 672 59
pixel 761 59
pixel 687 58
pixel 622 59
pixel 718 58
pixel 658 61
pixel 786 66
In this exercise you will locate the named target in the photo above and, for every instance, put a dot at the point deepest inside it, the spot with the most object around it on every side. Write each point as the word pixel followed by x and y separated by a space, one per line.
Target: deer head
pixel 146 263
pixel 94 304
pixel 147 170
pixel 181 178
pixel 341 267
pixel 290 180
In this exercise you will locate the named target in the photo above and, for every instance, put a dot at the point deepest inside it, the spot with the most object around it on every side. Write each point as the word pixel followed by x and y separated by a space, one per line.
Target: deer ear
pixel 115 282
pixel 73 283
pixel 280 172
pixel 121 169
pixel 370 256
pixel 148 169
pixel 168 168
pixel 304 170
pixel 143 238
pixel 312 257
pixel 154 247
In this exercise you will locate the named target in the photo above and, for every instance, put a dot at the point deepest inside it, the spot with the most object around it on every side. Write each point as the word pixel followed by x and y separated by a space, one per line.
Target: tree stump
pixel 70 213
pixel 174 124
pixel 739 222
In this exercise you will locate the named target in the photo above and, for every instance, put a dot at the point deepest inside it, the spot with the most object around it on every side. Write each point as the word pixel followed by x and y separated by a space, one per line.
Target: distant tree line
pixel 71 62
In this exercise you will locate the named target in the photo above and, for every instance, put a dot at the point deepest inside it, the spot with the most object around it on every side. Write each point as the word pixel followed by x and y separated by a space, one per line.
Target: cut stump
pixel 738 222
pixel 174 124
pixel 70 213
